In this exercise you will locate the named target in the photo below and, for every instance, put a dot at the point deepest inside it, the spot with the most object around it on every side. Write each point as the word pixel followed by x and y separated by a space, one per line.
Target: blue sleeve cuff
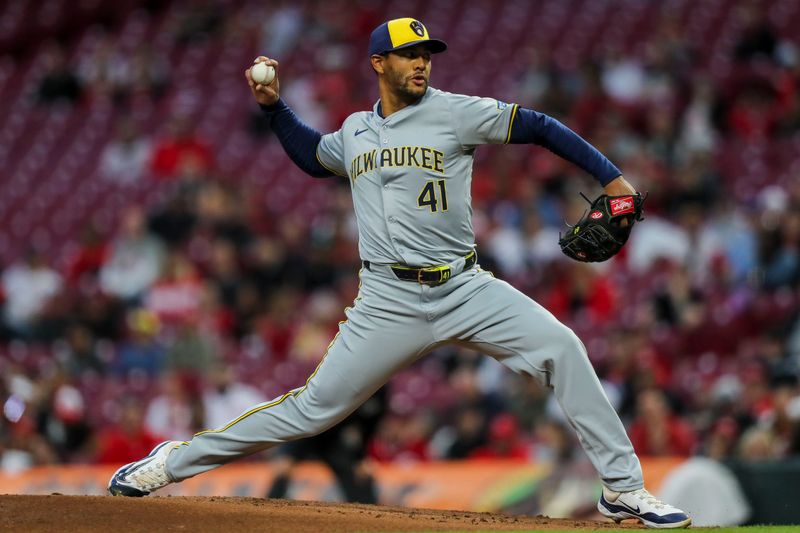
pixel 530 127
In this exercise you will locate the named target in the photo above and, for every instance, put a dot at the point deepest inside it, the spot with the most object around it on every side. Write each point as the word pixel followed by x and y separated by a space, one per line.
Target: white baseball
pixel 262 73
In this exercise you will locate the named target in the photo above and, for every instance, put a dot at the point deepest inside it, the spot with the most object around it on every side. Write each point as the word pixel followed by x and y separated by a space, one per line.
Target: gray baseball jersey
pixel 410 175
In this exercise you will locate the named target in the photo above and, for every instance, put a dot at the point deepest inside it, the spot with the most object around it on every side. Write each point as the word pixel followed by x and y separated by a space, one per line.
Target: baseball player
pixel 409 164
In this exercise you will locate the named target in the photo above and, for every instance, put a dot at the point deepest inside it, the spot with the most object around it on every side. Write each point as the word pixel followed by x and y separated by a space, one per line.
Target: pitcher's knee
pixel 315 417
pixel 563 342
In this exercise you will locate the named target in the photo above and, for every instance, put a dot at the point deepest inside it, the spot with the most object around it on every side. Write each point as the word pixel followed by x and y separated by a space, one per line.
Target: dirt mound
pixel 99 513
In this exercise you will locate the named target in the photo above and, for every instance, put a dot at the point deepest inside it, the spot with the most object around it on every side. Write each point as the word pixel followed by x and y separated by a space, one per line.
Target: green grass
pixel 743 529
pixel 750 529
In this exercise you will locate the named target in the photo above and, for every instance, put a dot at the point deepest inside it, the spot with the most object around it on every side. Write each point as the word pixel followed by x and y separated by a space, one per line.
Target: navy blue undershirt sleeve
pixel 298 140
pixel 537 128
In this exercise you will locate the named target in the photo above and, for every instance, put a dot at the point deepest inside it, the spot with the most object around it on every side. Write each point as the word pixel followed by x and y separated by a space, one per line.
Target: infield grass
pixel 741 529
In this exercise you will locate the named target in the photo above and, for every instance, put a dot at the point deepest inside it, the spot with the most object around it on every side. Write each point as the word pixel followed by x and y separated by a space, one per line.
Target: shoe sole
pixel 622 515
pixel 118 489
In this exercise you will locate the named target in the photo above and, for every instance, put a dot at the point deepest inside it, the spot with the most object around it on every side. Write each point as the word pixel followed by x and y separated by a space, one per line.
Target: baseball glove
pixel 602 231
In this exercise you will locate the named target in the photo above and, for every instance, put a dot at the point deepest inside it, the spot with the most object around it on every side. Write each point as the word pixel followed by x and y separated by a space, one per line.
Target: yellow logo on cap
pixel 406 30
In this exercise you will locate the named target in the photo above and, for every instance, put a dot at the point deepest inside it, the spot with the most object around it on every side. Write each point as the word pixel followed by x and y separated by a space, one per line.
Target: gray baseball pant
pixel 392 324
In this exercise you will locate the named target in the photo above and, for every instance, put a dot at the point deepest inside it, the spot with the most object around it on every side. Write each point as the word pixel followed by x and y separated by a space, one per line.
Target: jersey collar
pixel 376 109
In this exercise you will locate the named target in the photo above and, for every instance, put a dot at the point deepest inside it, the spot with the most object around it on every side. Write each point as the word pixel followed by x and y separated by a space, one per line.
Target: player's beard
pixel 403 88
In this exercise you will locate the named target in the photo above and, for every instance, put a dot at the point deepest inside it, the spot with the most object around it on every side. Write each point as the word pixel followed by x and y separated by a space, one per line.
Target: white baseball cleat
pixel 142 477
pixel 642 506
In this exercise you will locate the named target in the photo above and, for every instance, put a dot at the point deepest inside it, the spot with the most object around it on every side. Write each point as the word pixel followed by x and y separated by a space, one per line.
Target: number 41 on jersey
pixel 431 198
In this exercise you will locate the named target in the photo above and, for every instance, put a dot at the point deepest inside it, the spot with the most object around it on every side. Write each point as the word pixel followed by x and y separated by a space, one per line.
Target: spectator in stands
pixel 505 244
pixel 203 20
pixel 278 323
pixel 191 350
pixel 758 444
pixel 721 442
pixel 224 397
pixel 141 350
pixel 591 102
pixel 282 26
pixel 174 221
pixel 582 292
pixel 788 124
pixel 467 432
pixel 102 313
pixel 538 80
pixel 102 72
pixel 780 252
pixel 660 139
pixel 504 442
pixel 175 412
pixel 401 439
pixel 59 83
pixel 623 77
pixel 757 37
pixel 688 242
pixel 81 352
pixel 267 263
pixel 22 397
pixel 754 112
pixel 474 401
pixel 527 399
pixel 28 285
pixel 64 424
pixel 677 301
pixel 84 264
pixel 124 160
pixel 783 419
pixel 176 294
pixel 554 443
pixel 149 74
pixel 541 241
pixel 180 153
pixel 134 261
pixel 220 214
pixel 657 431
pixel 224 271
pixel 213 317
pixel 319 323
pixel 21 447
pixel 127 438
pixel 697 130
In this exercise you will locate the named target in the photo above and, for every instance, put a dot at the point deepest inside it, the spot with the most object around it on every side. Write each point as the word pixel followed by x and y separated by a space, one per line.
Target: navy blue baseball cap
pixel 402 33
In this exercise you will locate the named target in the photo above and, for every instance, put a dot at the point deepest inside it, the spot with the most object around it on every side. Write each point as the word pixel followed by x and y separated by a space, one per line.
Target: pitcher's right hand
pixel 265 94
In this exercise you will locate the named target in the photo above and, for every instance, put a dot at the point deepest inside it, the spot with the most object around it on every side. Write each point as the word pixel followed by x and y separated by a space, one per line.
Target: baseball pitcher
pixel 409 165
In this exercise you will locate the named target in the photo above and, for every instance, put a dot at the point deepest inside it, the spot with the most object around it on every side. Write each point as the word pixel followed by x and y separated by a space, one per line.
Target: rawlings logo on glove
pixel 602 233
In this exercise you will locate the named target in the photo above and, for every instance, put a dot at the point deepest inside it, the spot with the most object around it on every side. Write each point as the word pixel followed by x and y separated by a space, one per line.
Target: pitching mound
pixel 98 513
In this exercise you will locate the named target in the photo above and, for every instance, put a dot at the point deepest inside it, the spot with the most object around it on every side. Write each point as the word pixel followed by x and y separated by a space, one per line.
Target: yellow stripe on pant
pixel 296 393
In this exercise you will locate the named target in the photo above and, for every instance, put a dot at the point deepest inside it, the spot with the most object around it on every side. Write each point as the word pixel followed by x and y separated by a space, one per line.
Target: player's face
pixel 407 71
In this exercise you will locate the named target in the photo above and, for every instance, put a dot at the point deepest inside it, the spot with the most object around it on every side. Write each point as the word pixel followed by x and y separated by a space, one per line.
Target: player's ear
pixel 377 63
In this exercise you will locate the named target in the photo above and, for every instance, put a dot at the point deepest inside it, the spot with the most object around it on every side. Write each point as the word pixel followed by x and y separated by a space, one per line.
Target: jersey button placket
pixel 391 218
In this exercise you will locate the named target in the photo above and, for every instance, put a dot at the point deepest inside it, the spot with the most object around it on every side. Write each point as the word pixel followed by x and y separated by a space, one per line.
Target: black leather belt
pixel 435 275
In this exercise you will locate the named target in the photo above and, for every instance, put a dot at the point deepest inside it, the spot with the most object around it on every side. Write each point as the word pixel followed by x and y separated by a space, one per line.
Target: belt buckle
pixel 444 274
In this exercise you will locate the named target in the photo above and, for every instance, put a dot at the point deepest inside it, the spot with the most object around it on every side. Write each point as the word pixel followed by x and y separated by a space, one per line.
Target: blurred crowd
pixel 186 311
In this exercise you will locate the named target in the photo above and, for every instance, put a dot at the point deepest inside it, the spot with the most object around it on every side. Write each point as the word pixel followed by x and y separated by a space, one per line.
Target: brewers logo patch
pixel 418 28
